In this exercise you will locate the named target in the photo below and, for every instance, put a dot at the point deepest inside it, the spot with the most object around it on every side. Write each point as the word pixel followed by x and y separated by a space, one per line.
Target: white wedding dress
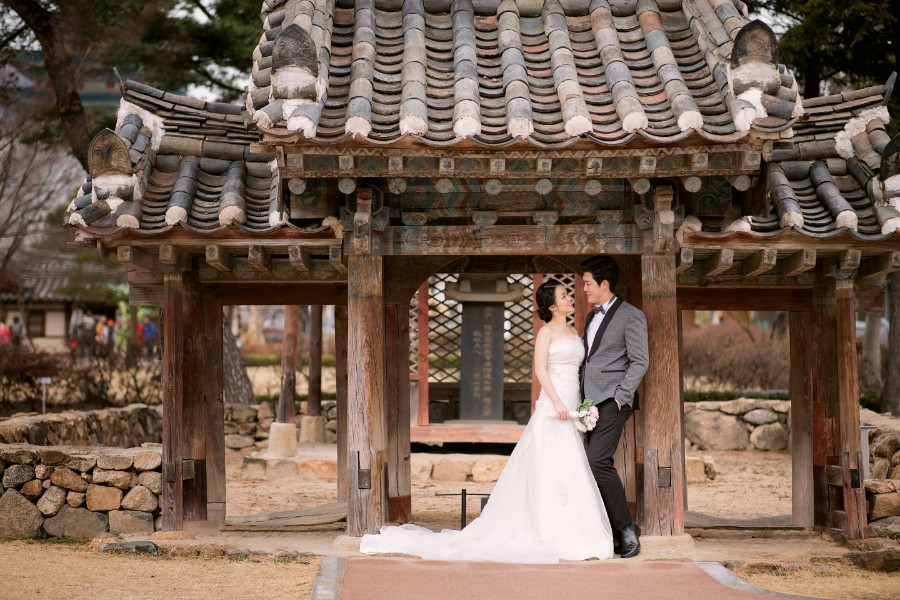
pixel 544 508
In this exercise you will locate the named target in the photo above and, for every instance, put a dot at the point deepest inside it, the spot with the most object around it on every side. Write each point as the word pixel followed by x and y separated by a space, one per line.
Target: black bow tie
pixel 599 309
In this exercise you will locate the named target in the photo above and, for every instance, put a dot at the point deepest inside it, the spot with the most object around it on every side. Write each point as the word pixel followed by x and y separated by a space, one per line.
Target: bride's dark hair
pixel 545 297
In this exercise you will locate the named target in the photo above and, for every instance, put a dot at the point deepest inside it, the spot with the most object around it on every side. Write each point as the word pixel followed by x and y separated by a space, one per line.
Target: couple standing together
pixel 559 496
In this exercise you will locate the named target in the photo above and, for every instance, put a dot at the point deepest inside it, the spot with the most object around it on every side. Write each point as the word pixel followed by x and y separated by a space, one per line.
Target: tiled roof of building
pixel 43 276
pixel 831 176
pixel 495 72
pixel 175 161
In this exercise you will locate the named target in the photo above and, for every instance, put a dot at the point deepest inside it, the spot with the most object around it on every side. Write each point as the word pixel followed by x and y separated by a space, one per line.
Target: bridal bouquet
pixel 585 416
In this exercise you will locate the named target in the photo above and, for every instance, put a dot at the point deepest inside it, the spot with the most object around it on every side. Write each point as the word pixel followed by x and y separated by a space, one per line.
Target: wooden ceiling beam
pixel 135 259
pixel 880 265
pixel 299 258
pixel 258 257
pixel 684 260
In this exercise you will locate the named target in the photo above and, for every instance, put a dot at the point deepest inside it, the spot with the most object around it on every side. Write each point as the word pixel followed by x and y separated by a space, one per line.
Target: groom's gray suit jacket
pixel 614 365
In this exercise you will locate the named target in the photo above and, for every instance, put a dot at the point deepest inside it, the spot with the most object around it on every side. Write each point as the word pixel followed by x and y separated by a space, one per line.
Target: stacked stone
pixel 742 424
pixel 126 427
pixel 78 492
pixel 247 425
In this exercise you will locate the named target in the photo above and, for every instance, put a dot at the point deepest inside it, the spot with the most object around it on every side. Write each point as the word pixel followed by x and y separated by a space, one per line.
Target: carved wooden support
pixel 799 263
pixel 760 262
pixel 337 259
pixel 684 260
pixel 880 265
pixel 844 264
pixel 362 222
pixel 718 263
pixel 173 259
pixel 259 258
pixel 218 258
pixel 664 220
pixel 136 259
pixel 299 258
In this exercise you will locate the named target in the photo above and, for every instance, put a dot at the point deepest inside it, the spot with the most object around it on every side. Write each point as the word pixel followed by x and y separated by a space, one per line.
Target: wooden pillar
pixel 367 498
pixel 286 408
pixel 340 367
pixel 801 332
pixel 661 507
pixel 537 323
pixel 838 492
pixel 314 398
pixel 396 364
pixel 424 351
pixel 193 413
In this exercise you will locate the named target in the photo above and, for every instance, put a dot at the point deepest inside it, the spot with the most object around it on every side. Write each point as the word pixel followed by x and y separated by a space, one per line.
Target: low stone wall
pixel 78 492
pixel 883 485
pixel 248 424
pixel 125 427
pixel 742 424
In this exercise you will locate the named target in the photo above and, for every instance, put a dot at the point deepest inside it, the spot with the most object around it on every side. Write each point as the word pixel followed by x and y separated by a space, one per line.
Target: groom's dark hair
pixel 602 267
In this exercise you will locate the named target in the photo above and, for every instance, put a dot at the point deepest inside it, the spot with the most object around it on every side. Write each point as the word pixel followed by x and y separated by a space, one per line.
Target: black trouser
pixel 601 449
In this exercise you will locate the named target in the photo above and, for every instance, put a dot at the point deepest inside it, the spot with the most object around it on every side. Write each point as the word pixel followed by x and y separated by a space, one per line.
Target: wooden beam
pixel 299 258
pixel 684 260
pixel 280 269
pixel 397 409
pixel 799 262
pixel 513 240
pixel 250 293
pixel 760 262
pixel 218 257
pixel 880 265
pixel 801 343
pixel 136 259
pixel 258 257
pixel 663 508
pixel 738 298
pixel 337 259
pixel 340 371
pixel 718 263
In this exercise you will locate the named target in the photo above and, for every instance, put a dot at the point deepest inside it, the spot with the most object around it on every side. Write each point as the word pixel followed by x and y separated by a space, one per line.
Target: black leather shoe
pixel 630 541
pixel 617 544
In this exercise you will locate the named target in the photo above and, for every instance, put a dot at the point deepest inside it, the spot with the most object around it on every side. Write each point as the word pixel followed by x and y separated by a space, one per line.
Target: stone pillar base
pixel 312 430
pixel 282 440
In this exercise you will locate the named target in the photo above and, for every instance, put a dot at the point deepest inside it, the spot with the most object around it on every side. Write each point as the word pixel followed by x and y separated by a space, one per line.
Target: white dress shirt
pixel 594 326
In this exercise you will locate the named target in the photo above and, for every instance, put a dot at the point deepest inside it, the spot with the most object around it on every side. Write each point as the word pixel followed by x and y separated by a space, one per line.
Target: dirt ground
pixel 78 572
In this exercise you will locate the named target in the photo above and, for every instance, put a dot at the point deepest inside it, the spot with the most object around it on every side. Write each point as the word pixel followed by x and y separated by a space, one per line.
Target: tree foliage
pixel 836 44
pixel 171 44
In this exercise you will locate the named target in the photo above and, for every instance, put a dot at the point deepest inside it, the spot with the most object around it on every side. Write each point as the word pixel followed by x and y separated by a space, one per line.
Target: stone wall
pixel 78 492
pixel 883 485
pixel 742 424
pixel 125 427
pixel 248 425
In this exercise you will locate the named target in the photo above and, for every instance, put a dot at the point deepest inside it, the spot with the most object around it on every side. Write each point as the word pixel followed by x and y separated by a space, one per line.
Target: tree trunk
pixel 50 32
pixel 890 397
pixel 286 409
pixel 254 339
pixel 870 365
pixel 237 385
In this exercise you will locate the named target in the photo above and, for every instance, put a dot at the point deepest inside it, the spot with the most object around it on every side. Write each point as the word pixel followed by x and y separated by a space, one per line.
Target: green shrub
pixel 722 396
pixel 262 360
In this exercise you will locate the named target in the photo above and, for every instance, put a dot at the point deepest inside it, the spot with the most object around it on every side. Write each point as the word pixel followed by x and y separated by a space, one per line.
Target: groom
pixel 615 339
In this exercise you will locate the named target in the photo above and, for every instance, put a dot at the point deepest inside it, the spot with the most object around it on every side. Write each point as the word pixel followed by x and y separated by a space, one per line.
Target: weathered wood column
pixel 340 368
pixel 314 397
pixel 838 491
pixel 801 332
pixel 367 435
pixel 661 504
pixel 396 357
pixel 193 413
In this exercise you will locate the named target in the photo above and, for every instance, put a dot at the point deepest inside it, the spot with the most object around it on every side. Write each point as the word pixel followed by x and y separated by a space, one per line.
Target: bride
pixel 545 506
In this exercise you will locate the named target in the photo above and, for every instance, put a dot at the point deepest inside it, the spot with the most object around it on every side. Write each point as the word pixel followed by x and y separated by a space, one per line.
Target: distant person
pixel 16 332
pixel 150 333
pixel 109 336
pixel 4 333
pixel 86 334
